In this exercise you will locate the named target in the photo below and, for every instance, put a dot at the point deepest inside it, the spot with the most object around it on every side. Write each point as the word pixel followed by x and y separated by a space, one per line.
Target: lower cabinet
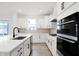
pixel 39 37
pixel 27 47
pixel 54 45
pixel 23 49
pixel 18 51
pixel 51 43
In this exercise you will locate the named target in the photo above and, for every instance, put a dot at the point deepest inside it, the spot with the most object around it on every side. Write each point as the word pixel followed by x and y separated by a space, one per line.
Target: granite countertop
pixel 9 45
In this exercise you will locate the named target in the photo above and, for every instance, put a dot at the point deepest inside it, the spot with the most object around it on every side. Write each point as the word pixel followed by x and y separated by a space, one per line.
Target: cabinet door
pixel 35 38
pixel 69 10
pixel 41 37
pixel 68 4
pixel 14 53
pixel 43 22
pixel 18 51
pixel 53 49
pixel 21 22
pixel 38 23
pixel 58 6
pixel 52 44
pixel 48 42
pixel 27 47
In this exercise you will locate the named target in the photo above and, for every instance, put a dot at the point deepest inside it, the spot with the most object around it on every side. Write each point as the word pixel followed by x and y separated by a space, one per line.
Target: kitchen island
pixel 16 47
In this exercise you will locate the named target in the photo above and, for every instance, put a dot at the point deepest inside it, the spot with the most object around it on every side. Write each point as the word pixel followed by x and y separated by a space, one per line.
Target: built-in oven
pixel 68 34
pixel 66 46
pixel 68 27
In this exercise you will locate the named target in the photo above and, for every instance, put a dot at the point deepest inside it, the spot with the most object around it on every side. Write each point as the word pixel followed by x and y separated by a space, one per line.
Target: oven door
pixel 67 47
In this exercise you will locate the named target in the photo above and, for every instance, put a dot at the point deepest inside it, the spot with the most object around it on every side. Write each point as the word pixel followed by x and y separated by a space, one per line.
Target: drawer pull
pixel 20 54
pixel 28 45
pixel 19 50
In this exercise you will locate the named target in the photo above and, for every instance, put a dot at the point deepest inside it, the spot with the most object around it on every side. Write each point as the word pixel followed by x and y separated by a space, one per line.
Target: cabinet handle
pixel 20 54
pixel 28 45
pixel 19 49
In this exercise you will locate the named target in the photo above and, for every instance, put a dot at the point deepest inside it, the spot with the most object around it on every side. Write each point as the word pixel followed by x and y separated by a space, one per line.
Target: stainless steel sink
pixel 19 38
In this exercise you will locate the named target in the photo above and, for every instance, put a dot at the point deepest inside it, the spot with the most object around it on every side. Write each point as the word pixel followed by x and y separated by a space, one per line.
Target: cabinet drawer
pixel 18 51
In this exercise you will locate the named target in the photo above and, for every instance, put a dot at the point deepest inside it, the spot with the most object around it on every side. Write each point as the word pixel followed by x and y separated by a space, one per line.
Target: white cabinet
pixel 62 6
pixel 43 23
pixel 69 9
pixel 51 43
pixel 19 21
pixel 39 37
pixel 27 47
pixel 54 44
pixel 58 6
pixel 68 4
pixel 18 51
pixel 46 24
pixel 16 47
pixel 23 49
pixel 35 37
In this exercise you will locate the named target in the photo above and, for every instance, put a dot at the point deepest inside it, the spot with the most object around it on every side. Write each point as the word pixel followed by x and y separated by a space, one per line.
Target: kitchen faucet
pixel 14 30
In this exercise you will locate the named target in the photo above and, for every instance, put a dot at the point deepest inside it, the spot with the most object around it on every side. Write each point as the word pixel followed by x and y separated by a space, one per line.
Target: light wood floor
pixel 40 50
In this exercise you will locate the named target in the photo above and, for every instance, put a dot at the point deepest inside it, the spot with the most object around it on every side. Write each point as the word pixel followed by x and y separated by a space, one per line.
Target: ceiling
pixel 26 8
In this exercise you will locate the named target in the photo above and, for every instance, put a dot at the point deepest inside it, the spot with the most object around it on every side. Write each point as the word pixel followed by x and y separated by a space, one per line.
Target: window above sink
pixel 4 27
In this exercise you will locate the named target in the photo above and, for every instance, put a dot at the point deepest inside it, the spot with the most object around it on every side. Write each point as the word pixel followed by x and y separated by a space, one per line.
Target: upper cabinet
pixel 65 9
pixel 58 6
pixel 21 22
pixel 43 23
pixel 62 6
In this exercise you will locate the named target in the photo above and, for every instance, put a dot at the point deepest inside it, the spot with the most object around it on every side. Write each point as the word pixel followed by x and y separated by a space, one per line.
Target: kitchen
pixel 36 28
